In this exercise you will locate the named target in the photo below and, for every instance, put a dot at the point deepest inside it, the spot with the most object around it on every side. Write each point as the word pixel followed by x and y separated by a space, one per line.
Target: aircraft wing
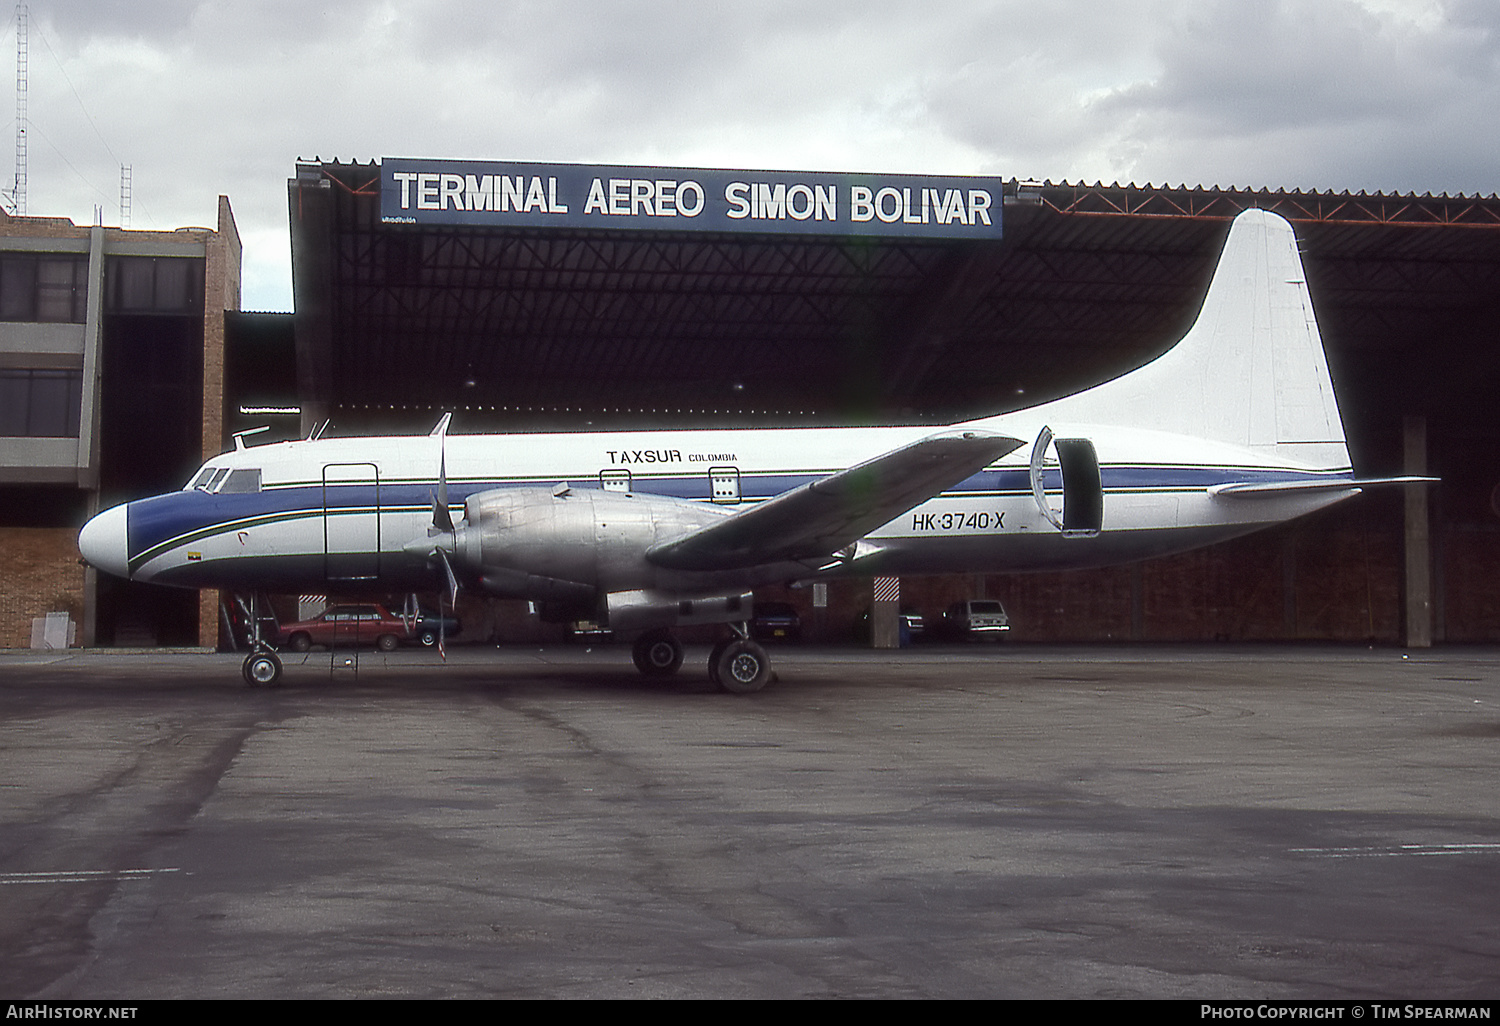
pixel 825 516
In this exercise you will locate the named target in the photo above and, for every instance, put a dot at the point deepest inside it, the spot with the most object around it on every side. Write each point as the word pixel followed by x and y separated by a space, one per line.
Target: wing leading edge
pixel 825 516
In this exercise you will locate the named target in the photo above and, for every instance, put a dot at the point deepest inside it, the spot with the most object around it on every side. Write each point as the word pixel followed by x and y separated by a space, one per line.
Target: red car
pixel 347 625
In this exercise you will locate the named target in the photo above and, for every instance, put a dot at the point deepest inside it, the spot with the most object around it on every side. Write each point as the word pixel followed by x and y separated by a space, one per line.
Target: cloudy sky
pixel 203 97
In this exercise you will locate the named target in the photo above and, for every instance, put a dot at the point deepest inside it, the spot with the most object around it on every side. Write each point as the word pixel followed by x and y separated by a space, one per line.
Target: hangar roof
pixel 566 327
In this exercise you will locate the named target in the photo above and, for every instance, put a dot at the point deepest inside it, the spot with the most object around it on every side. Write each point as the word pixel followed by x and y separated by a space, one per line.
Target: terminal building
pixel 112 350
pixel 641 319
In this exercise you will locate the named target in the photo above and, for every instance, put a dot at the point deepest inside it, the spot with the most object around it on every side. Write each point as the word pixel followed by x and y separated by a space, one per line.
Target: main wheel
pixel 742 667
pixel 657 654
pixel 713 657
pixel 262 669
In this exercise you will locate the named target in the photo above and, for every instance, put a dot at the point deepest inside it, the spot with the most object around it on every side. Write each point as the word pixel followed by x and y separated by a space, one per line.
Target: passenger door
pixel 351 522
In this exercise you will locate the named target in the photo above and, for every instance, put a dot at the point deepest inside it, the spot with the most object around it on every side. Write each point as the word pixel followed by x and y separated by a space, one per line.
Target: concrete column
pixel 87 461
pixel 88 423
pixel 885 614
pixel 1418 538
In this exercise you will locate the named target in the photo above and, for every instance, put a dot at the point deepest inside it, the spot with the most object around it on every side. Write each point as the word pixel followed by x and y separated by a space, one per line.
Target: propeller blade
pixel 442 523
pixel 442 520
pixel 448 575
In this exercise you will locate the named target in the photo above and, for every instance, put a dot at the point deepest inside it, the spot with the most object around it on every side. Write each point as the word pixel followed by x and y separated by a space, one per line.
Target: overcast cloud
pixel 203 98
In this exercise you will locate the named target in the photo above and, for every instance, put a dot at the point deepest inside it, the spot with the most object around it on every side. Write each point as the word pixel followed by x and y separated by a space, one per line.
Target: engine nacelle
pixel 560 544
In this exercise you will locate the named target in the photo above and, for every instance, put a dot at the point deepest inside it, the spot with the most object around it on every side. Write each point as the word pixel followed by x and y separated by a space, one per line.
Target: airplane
pixel 1233 429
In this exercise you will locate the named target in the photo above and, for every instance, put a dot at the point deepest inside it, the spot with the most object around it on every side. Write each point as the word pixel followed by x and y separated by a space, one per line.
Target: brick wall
pixel 42 574
pixel 221 292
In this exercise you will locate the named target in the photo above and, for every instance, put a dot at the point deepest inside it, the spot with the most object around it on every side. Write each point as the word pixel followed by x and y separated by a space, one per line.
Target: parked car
pixel 775 621
pixel 345 625
pixel 974 618
pixel 430 625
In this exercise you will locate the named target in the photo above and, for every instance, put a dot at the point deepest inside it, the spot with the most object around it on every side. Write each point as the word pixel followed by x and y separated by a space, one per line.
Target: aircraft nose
pixel 103 542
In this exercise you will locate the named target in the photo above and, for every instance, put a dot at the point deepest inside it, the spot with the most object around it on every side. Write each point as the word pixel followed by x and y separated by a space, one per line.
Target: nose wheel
pixel 262 669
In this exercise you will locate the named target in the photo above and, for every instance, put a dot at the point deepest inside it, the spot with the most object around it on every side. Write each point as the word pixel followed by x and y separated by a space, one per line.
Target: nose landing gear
pixel 262 669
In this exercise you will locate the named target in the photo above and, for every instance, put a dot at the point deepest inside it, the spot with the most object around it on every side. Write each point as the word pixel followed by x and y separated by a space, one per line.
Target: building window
pixel 40 403
pixel 154 284
pixel 46 287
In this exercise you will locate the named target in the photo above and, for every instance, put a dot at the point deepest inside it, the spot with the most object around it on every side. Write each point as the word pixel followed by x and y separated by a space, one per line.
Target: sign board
pixel 480 193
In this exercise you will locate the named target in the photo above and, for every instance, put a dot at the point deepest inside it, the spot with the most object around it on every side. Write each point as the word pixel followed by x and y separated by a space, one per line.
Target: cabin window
pixel 724 485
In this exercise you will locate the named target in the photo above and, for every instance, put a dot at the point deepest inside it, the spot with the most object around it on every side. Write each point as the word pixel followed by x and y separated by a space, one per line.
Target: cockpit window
pixel 243 480
pixel 226 481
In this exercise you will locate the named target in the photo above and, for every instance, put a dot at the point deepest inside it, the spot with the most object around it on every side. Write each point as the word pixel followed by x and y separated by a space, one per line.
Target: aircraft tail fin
pixel 1251 371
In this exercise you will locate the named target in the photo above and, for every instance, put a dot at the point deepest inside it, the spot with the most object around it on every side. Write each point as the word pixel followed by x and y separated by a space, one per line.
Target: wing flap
pixel 825 516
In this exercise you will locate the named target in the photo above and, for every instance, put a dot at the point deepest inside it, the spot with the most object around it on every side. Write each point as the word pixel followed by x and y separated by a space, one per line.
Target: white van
pixel 983 618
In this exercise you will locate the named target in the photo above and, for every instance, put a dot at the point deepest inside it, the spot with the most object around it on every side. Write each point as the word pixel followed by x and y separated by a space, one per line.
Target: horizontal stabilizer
pixel 1268 490
pixel 827 515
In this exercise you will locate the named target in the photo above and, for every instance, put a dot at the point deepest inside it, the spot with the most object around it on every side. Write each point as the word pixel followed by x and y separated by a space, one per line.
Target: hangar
pixel 520 327
pixel 523 327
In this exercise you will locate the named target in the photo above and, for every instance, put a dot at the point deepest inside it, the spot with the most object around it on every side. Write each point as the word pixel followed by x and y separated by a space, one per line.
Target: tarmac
pixel 991 821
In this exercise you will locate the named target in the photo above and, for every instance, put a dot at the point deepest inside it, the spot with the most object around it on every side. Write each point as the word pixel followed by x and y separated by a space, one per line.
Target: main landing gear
pixel 657 654
pixel 737 665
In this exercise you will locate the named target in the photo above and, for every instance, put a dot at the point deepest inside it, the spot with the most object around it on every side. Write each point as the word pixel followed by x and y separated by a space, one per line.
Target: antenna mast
pixel 19 196
pixel 125 195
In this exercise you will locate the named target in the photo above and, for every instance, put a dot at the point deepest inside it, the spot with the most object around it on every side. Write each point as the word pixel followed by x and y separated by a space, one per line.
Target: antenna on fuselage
pixel 240 436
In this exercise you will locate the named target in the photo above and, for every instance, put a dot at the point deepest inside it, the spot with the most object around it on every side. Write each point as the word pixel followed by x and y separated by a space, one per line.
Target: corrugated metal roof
pixel 1087 282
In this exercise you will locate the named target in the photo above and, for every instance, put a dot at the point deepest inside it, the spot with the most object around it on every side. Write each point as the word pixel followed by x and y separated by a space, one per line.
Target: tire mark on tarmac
pixel 137 781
